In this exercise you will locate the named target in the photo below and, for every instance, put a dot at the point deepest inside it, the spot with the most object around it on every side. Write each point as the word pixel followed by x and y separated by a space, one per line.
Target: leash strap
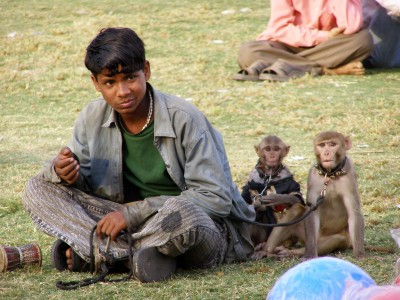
pixel 310 209
pixel 73 285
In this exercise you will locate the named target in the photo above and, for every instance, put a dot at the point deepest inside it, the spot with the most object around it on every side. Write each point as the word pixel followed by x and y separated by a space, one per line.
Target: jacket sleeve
pixel 207 175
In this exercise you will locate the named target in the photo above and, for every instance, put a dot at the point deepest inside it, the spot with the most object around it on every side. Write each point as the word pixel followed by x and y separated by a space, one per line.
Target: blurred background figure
pixel 382 17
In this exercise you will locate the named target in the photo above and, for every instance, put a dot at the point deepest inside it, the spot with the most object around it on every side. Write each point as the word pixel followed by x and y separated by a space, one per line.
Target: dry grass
pixel 192 47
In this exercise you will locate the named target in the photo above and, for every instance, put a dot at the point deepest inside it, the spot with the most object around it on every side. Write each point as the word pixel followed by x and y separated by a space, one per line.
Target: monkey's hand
pixel 260 251
pixel 282 252
pixel 275 199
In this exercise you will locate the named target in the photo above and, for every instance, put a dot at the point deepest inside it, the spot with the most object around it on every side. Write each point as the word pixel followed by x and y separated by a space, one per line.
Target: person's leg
pixel 182 229
pixel 341 50
pixel 69 215
pixel 267 60
pixel 267 52
pixel 334 53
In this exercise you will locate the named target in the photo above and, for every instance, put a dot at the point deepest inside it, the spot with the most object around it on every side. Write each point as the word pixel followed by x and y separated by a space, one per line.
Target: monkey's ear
pixel 257 149
pixel 348 143
pixel 286 150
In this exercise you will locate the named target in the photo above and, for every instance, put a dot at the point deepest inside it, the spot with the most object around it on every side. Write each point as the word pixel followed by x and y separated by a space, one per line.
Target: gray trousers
pixel 332 53
pixel 179 229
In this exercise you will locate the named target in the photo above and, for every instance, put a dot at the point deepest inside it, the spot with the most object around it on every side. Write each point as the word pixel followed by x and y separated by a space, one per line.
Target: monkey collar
pixel 338 171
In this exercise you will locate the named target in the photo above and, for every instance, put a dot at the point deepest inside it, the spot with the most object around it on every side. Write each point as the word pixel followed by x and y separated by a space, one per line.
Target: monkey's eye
pixel 269 148
pixel 332 144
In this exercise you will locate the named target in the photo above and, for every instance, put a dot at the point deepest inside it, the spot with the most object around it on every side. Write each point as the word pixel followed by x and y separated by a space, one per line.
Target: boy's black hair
pixel 114 47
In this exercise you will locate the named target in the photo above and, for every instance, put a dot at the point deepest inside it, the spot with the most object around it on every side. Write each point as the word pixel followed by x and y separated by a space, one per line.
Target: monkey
pixel 273 183
pixel 338 222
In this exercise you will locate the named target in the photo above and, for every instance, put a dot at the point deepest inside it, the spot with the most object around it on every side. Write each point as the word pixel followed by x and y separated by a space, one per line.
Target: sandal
pixel 282 71
pixel 59 258
pixel 251 73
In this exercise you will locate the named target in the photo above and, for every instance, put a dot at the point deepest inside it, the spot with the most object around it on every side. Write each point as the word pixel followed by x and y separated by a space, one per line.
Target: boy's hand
pixel 112 224
pixel 66 166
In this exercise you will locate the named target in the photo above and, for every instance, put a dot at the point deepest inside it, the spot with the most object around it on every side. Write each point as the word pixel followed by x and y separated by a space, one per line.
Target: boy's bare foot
pixel 353 68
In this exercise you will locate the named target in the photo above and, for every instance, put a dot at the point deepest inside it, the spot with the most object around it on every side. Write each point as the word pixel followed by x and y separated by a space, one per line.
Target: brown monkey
pixel 338 222
pixel 271 187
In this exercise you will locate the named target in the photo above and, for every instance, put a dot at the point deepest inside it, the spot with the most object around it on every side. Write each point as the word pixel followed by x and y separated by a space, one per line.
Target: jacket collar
pixel 162 119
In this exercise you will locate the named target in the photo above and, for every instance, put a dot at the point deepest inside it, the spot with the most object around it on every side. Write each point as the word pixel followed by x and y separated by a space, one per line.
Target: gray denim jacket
pixel 193 152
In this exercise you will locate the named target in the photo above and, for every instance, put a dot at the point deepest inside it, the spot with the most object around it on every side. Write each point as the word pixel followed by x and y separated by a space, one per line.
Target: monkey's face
pixel 328 153
pixel 273 155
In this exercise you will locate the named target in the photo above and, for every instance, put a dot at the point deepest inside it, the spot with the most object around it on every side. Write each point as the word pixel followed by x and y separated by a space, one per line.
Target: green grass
pixel 44 85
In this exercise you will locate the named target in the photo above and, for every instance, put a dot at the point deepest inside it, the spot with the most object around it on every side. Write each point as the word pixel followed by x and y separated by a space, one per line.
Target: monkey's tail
pixel 381 249
pixel 309 209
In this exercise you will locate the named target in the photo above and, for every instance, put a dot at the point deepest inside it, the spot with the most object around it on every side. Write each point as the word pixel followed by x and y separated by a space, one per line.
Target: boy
pixel 141 162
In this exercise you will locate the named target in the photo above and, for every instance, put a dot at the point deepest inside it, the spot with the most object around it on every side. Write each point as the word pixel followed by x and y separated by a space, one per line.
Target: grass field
pixel 192 47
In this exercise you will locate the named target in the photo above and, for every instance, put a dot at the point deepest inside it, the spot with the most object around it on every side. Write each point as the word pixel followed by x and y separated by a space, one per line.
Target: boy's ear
pixel 95 82
pixel 147 70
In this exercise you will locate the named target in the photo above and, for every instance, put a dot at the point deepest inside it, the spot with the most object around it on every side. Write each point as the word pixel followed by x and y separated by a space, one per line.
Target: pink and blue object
pixel 329 278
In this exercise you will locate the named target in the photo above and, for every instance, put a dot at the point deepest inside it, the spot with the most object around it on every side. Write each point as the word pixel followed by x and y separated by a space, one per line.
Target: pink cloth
pixel 306 23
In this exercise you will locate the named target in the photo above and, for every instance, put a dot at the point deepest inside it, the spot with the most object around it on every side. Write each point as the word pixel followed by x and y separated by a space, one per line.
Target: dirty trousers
pixel 179 229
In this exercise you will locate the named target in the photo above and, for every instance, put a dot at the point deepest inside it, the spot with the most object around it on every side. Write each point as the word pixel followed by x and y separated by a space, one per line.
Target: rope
pixel 310 209
pixel 73 285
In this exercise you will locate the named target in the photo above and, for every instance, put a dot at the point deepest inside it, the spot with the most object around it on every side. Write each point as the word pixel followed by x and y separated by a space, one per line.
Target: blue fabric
pixel 386 34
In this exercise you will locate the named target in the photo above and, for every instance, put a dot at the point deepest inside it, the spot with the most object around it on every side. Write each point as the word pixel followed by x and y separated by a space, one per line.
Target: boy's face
pixel 123 92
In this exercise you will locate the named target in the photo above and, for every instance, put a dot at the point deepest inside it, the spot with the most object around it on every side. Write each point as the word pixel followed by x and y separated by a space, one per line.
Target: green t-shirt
pixel 145 174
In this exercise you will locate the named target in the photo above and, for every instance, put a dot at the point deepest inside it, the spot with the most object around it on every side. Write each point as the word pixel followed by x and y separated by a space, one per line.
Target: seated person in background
pixel 141 166
pixel 382 17
pixel 303 36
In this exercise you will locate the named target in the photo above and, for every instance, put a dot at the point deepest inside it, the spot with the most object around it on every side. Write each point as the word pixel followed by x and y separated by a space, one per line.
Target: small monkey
pixel 270 182
pixel 338 222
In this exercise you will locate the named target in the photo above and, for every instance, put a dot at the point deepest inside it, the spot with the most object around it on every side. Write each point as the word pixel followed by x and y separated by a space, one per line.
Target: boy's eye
pixel 131 76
